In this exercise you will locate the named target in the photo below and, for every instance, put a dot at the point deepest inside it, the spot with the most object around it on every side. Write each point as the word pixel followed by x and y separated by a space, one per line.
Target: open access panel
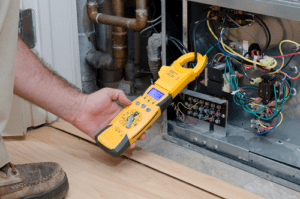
pixel 244 109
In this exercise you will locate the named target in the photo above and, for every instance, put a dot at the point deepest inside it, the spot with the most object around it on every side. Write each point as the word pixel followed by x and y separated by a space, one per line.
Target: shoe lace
pixel 9 165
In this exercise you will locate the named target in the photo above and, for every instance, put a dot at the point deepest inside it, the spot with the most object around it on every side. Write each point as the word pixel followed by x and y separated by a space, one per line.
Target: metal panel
pixel 287 9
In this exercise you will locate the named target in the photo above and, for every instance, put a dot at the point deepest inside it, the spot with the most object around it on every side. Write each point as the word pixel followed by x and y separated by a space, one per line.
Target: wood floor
pixel 94 174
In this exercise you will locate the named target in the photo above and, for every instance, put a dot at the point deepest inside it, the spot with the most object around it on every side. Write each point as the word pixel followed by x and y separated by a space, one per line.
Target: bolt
pixel 195 139
pixel 203 143
pixel 249 24
pixel 293 92
pixel 294 69
pixel 223 116
pixel 215 147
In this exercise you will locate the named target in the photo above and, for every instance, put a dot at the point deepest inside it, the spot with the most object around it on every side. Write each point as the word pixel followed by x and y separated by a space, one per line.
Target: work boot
pixel 33 181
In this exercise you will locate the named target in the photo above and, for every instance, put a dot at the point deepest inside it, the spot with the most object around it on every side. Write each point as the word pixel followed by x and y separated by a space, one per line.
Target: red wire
pixel 211 117
pixel 284 83
pixel 190 122
pixel 272 122
pixel 287 55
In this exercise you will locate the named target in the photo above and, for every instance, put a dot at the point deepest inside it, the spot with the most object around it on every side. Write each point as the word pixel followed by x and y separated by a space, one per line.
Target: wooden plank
pixel 94 174
pixel 174 169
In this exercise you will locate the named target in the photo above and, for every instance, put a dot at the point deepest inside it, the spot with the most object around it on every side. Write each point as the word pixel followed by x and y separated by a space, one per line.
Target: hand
pixel 99 109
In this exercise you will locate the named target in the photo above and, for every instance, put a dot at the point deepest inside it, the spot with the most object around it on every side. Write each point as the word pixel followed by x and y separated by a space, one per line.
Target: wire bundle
pixel 249 61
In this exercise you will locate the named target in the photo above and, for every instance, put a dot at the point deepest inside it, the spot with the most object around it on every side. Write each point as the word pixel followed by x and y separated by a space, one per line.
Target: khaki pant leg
pixel 9 17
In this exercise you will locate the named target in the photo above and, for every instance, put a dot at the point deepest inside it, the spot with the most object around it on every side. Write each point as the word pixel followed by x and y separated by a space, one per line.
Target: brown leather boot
pixel 33 181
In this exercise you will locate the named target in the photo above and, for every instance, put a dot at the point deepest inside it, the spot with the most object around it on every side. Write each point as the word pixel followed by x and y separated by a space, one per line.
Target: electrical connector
pixel 256 80
pixel 267 61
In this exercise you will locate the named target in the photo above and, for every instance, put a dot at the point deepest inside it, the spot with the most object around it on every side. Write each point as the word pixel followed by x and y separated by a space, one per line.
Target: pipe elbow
pixel 141 20
pixel 92 11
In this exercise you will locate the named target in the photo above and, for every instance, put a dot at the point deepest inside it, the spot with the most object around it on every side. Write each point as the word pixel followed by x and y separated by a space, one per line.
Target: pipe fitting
pixel 154 54
pixel 137 24
pixel 99 60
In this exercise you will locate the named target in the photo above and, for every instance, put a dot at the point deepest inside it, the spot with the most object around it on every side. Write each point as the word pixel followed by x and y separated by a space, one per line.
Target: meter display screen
pixel 155 94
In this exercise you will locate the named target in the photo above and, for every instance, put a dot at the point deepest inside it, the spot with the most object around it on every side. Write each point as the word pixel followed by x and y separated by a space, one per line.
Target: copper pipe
pixel 137 24
pixel 119 37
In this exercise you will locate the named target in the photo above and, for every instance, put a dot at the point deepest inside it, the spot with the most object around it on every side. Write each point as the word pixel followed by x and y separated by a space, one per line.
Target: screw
pixel 223 116
pixel 249 24
pixel 294 69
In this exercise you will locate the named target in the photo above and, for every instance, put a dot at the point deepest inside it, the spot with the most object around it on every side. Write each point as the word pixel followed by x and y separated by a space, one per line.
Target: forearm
pixel 37 84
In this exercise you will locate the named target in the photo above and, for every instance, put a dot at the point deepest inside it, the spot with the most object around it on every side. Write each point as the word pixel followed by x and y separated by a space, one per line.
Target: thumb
pixel 116 94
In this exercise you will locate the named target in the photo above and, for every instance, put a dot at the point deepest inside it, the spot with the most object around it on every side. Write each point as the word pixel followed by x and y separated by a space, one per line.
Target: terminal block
pixel 212 109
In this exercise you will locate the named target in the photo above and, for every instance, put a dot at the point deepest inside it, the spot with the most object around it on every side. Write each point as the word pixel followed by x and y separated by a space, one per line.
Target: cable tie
pixel 234 92
pixel 254 64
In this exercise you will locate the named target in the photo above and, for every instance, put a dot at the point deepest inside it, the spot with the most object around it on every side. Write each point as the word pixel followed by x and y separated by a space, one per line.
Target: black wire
pixel 180 43
pixel 243 68
pixel 177 46
pixel 287 63
pixel 264 25
pixel 194 35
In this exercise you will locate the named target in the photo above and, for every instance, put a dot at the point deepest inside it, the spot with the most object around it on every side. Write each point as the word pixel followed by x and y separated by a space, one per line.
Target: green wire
pixel 276 97
pixel 211 48
pixel 253 87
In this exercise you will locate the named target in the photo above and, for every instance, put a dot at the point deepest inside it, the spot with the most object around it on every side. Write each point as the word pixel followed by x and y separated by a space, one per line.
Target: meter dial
pixel 130 119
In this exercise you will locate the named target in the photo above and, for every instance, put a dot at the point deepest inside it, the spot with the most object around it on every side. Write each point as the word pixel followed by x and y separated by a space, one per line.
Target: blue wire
pixel 219 44
pixel 262 133
pixel 198 120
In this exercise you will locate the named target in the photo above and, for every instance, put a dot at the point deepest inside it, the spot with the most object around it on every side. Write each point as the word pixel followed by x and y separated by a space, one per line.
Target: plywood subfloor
pixel 94 174
pixel 171 168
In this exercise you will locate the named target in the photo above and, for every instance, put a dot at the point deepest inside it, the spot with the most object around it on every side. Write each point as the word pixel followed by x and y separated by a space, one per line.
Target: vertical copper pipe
pixel 119 37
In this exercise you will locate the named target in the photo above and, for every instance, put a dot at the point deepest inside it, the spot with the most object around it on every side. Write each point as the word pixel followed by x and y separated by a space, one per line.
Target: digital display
pixel 155 94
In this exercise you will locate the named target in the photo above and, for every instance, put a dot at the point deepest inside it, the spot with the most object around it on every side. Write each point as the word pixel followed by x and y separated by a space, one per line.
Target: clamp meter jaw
pixel 133 120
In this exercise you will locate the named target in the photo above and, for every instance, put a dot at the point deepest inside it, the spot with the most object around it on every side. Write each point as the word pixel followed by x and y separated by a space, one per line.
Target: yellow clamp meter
pixel 133 120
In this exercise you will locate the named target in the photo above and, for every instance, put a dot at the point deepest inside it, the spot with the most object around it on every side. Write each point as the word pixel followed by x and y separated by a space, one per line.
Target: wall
pixel 57 44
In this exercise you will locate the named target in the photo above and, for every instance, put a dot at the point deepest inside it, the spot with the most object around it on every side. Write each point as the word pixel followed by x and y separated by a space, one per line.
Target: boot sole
pixel 58 192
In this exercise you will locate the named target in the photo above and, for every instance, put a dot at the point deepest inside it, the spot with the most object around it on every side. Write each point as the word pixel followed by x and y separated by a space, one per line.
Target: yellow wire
pixel 231 51
pixel 281 53
pixel 270 126
pixel 268 110
pixel 216 57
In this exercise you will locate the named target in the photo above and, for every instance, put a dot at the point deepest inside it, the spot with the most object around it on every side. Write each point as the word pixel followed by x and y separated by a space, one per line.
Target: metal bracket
pixel 27 27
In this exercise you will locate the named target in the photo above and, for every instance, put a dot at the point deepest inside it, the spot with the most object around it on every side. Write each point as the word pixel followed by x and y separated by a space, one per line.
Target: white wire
pixel 150 27
pixel 155 20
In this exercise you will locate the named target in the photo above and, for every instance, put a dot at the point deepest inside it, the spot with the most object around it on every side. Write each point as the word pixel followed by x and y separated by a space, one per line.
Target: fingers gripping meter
pixel 133 120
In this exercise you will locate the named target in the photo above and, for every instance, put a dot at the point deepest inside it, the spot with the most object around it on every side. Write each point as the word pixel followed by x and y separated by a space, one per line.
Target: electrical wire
pixel 281 53
pixel 243 68
pixel 155 20
pixel 194 35
pixel 242 28
pixel 180 43
pixel 177 46
pixel 288 55
pixel 211 117
pixel 264 25
pixel 229 50
pixel 150 27
pixel 290 60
